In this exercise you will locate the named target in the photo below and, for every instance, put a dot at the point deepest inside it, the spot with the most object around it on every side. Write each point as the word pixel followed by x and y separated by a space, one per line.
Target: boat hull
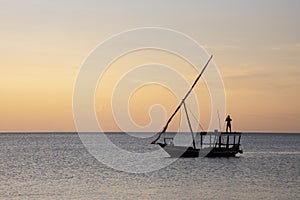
pixel 190 152
pixel 224 152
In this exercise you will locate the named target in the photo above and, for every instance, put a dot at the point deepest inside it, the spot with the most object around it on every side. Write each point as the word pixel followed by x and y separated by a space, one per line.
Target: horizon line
pixel 64 132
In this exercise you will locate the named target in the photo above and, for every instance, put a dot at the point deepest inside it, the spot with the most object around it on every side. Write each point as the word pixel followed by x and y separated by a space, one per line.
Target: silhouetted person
pixel 228 123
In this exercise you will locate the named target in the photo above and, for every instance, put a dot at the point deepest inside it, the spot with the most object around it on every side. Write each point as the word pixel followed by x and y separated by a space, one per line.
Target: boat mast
pixel 190 126
pixel 187 94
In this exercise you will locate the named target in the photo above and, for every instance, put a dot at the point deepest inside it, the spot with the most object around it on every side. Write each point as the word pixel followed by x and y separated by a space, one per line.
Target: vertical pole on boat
pixel 190 126
pixel 227 142
pixel 239 140
pixel 219 122
pixel 201 136
pixel 234 139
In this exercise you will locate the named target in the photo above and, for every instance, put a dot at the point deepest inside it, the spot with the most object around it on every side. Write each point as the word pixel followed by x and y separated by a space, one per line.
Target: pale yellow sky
pixel 256 46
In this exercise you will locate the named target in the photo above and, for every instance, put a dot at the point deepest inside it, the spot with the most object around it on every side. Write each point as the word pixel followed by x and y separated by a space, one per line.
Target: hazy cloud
pixel 224 47
pixel 285 47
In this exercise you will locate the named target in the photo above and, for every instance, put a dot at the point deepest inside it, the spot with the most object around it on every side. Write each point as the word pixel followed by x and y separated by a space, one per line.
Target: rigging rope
pixel 195 117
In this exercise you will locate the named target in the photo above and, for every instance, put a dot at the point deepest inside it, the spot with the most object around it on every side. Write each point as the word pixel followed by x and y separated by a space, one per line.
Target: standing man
pixel 228 123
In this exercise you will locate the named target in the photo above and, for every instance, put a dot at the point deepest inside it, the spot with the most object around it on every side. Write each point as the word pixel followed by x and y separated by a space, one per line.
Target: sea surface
pixel 58 166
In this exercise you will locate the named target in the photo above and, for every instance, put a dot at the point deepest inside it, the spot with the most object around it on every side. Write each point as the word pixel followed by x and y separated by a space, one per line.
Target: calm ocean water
pixel 58 166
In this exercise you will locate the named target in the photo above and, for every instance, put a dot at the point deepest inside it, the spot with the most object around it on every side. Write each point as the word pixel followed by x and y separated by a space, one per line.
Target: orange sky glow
pixel 256 47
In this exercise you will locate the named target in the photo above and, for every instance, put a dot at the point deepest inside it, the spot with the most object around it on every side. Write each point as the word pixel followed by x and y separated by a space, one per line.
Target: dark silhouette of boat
pixel 220 144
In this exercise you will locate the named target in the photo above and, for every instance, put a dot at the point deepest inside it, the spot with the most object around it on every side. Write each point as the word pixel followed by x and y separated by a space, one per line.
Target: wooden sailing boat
pixel 219 145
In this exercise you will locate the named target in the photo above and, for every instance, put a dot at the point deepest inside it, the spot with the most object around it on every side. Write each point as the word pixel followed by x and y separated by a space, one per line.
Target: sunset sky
pixel 256 46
